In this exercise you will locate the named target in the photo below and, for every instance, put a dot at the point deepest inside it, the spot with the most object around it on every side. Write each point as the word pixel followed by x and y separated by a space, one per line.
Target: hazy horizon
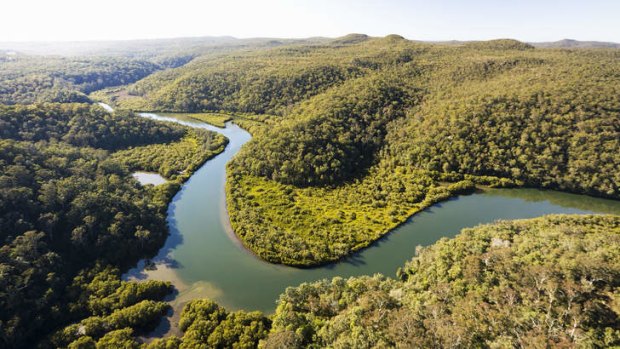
pixel 115 20
pixel 279 38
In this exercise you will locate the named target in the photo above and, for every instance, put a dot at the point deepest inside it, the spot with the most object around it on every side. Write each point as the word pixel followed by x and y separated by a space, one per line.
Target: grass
pixel 311 226
pixel 215 119
pixel 250 122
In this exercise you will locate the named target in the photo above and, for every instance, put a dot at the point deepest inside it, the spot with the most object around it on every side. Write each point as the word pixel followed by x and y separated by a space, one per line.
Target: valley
pixel 349 192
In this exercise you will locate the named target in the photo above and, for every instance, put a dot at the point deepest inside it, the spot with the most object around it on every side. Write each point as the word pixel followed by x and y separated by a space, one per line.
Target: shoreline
pixel 169 323
pixel 240 243
pixel 384 234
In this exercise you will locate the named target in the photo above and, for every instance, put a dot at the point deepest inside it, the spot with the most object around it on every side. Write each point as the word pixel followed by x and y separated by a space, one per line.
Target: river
pixel 204 259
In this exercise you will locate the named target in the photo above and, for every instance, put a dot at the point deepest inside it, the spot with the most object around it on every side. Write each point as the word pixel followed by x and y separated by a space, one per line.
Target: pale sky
pixel 527 20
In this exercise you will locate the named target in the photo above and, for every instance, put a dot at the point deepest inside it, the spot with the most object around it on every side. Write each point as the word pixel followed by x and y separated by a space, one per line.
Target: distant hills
pixel 145 48
pixel 569 43
pixel 564 43
pixel 199 45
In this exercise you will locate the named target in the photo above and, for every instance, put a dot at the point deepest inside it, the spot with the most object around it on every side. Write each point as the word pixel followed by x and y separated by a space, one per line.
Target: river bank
pixel 204 259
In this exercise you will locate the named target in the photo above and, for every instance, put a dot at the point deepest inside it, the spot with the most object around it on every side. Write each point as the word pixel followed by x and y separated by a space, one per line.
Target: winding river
pixel 204 259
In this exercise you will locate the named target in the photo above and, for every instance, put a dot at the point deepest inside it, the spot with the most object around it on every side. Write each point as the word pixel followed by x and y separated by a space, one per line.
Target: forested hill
pixel 570 43
pixel 68 72
pixel 71 215
pixel 31 79
pixel 146 48
pixel 351 136
pixel 538 283
pixel 383 126
pixel 535 114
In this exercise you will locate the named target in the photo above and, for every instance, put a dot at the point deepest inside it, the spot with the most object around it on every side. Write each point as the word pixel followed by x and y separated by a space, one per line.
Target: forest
pixel 543 282
pixel 351 136
pixel 32 79
pixel 69 72
pixel 363 132
pixel 70 211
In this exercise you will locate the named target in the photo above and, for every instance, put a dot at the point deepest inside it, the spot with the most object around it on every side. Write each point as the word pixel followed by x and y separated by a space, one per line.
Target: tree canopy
pixel 544 282
pixel 67 201
pixel 351 136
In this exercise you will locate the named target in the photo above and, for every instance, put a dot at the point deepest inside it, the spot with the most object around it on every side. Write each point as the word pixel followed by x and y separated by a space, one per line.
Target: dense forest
pixel 351 136
pixel 33 79
pixel 544 282
pixel 68 72
pixel 364 131
pixel 69 207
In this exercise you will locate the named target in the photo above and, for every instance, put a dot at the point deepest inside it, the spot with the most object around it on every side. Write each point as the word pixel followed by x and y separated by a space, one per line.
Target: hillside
pixel 351 136
pixel 569 43
pixel 146 48
pixel 561 44
pixel 67 72
pixel 71 214
pixel 545 282
pixel 365 131
pixel 34 79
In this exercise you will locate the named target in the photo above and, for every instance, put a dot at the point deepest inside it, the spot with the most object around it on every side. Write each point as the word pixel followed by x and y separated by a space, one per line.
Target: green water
pixel 204 260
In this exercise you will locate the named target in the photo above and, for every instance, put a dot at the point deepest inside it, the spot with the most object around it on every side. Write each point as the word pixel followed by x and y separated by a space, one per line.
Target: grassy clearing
pixel 309 226
pixel 215 119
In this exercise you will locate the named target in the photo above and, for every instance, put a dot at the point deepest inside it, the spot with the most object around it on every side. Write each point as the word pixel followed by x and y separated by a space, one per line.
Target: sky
pixel 526 20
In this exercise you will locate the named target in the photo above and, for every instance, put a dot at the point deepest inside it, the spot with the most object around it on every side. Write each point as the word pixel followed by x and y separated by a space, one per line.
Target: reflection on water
pixel 582 202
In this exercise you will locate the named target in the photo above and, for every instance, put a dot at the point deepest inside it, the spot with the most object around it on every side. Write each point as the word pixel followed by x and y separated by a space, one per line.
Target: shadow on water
pixel 168 323
pixel 165 325
pixel 164 257
pixel 357 259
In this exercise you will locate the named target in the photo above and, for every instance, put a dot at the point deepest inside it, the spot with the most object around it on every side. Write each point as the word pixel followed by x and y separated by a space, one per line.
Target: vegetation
pixel 32 79
pixel 339 134
pixel 559 135
pixel 349 116
pixel 215 89
pixel 204 325
pixel 499 111
pixel 175 160
pixel 303 227
pixel 351 136
pixel 215 119
pixel 68 202
pixel 107 304
pixel 545 282
pixel 207 325
pixel 82 125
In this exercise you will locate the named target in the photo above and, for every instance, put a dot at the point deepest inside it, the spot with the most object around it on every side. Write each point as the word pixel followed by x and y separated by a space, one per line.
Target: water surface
pixel 149 178
pixel 203 259
pixel 106 107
